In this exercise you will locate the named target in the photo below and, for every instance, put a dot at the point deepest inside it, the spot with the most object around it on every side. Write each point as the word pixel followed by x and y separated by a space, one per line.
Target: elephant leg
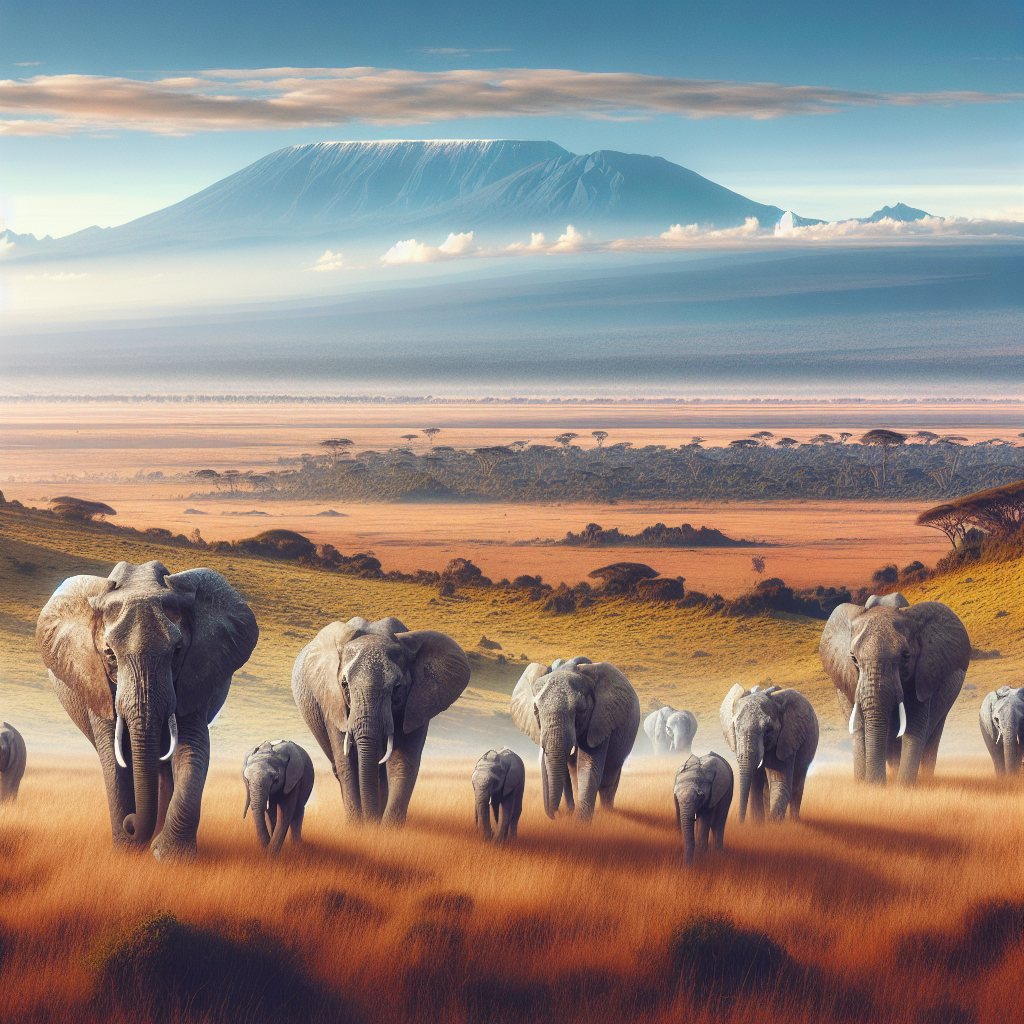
pixel 347 773
pixel 517 810
pixel 589 769
pixel 703 829
pixel 846 706
pixel 296 828
pixel 504 818
pixel 757 795
pixel 995 751
pixel 118 781
pixel 721 815
pixel 272 814
pixel 190 763
pixel 285 812
pixel 165 790
pixel 402 770
pixel 780 786
pixel 571 787
pixel 931 749
pixel 796 796
pixel 609 787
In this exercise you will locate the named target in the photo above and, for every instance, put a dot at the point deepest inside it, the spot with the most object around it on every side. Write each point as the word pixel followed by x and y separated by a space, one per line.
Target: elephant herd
pixel 142 662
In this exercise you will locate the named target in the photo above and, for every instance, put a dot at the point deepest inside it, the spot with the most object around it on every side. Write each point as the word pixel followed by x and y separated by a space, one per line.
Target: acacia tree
pixel 68 507
pixel 210 475
pixel 745 442
pixel 599 436
pixel 948 519
pixel 336 445
pixel 410 437
pixel 762 436
pixel 926 436
pixel 430 433
pixel 886 440
pixel 822 439
pixel 844 436
pixel 565 439
pixel 786 442
pixel 231 475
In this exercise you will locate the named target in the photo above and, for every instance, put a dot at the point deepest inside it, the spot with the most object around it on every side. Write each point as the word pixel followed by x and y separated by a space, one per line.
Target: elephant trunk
pixel 745 773
pixel 555 759
pixel 1011 746
pixel 687 811
pixel 879 691
pixel 140 825
pixel 260 793
pixel 876 743
pixel 483 815
pixel 368 751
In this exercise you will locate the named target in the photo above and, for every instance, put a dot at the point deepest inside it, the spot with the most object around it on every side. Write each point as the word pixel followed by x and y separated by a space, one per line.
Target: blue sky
pixel 947 156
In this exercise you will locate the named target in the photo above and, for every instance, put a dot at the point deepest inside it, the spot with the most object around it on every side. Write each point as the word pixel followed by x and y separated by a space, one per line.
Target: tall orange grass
pixel 880 901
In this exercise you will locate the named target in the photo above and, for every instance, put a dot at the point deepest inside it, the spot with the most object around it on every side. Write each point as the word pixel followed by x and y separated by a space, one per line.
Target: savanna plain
pixel 886 905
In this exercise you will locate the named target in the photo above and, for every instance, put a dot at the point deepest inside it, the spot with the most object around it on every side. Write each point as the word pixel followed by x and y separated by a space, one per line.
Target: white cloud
pixel 330 261
pixel 265 98
pixel 411 251
pixel 47 276
pixel 889 228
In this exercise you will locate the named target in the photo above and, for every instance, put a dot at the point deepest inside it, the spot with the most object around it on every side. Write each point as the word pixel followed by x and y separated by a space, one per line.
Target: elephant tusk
pixel 172 725
pixel 760 764
pixel 390 750
pixel 853 718
pixel 346 744
pixel 573 751
pixel 903 721
pixel 118 737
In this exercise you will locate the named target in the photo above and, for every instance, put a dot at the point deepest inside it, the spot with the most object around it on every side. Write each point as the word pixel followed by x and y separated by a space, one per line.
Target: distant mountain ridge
pixel 898 212
pixel 376 188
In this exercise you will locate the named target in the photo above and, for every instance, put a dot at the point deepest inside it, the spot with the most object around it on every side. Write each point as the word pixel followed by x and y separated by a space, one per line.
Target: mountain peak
pixel 898 212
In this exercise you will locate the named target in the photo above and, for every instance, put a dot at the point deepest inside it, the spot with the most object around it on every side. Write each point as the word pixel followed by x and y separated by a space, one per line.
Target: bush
pixel 886 575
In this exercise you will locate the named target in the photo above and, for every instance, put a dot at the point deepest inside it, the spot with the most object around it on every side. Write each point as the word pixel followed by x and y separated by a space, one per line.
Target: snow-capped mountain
pixel 375 188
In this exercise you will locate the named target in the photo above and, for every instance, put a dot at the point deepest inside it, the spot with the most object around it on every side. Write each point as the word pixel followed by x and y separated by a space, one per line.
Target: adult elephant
pixel 142 662
pixel 278 778
pixel 897 671
pixel 774 735
pixel 12 762
pixel 367 691
pixel 1002 727
pixel 584 717
pixel 671 731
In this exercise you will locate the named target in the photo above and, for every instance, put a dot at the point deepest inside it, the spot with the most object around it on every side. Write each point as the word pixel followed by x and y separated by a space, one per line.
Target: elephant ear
pixel 614 700
pixel 440 673
pixel 294 769
pixel 224 634
pixel 515 776
pixel 727 712
pixel 985 712
pixel 318 666
pixel 798 719
pixel 521 702
pixel 945 647
pixel 721 778
pixel 66 634
pixel 834 647
pixel 651 723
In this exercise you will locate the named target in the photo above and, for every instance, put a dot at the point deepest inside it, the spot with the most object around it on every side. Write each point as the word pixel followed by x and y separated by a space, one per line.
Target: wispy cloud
pixel 459 51
pixel 267 98
pixel 693 236
pixel 27 63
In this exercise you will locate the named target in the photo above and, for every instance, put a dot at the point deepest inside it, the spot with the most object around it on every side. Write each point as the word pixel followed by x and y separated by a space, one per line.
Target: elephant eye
pixel 536 713
pixel 853 658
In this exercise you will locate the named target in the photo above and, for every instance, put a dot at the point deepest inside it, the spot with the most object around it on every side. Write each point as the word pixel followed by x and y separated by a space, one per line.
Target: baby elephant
pixel 703 793
pixel 1002 726
pixel 671 731
pixel 774 734
pixel 499 780
pixel 278 779
pixel 12 762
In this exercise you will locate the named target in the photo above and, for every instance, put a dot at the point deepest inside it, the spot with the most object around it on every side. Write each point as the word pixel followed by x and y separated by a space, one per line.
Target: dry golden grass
pixel 870 896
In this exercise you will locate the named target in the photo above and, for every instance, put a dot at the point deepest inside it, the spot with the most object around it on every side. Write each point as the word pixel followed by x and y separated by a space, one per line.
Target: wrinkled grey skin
pixel 367 691
pixel 584 717
pixel 1002 726
pixel 774 734
pixel 890 655
pixel 12 762
pixel 156 652
pixel 671 731
pixel 499 781
pixel 703 794
pixel 278 776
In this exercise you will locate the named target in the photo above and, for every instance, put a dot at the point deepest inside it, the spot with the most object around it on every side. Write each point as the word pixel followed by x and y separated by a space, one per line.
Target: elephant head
pixel 701 782
pixel 497 774
pixel 880 656
pixel 271 768
pixel 571 702
pixel 142 648
pixel 1002 722
pixel 373 678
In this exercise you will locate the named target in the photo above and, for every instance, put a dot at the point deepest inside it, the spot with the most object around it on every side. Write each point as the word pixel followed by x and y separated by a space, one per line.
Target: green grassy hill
pixel 685 657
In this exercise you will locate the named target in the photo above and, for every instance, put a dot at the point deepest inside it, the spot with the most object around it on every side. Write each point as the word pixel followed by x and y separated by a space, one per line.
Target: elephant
pixel 278 778
pixel 671 731
pixel 367 692
pixel 774 734
pixel 12 762
pixel 584 717
pixel 142 663
pixel 499 781
pixel 703 793
pixel 1002 726
pixel 897 670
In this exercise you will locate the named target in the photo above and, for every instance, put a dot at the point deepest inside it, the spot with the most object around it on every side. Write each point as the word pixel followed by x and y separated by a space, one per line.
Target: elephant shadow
pixel 993 786
pixel 883 837
pixel 659 822
pixel 638 851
